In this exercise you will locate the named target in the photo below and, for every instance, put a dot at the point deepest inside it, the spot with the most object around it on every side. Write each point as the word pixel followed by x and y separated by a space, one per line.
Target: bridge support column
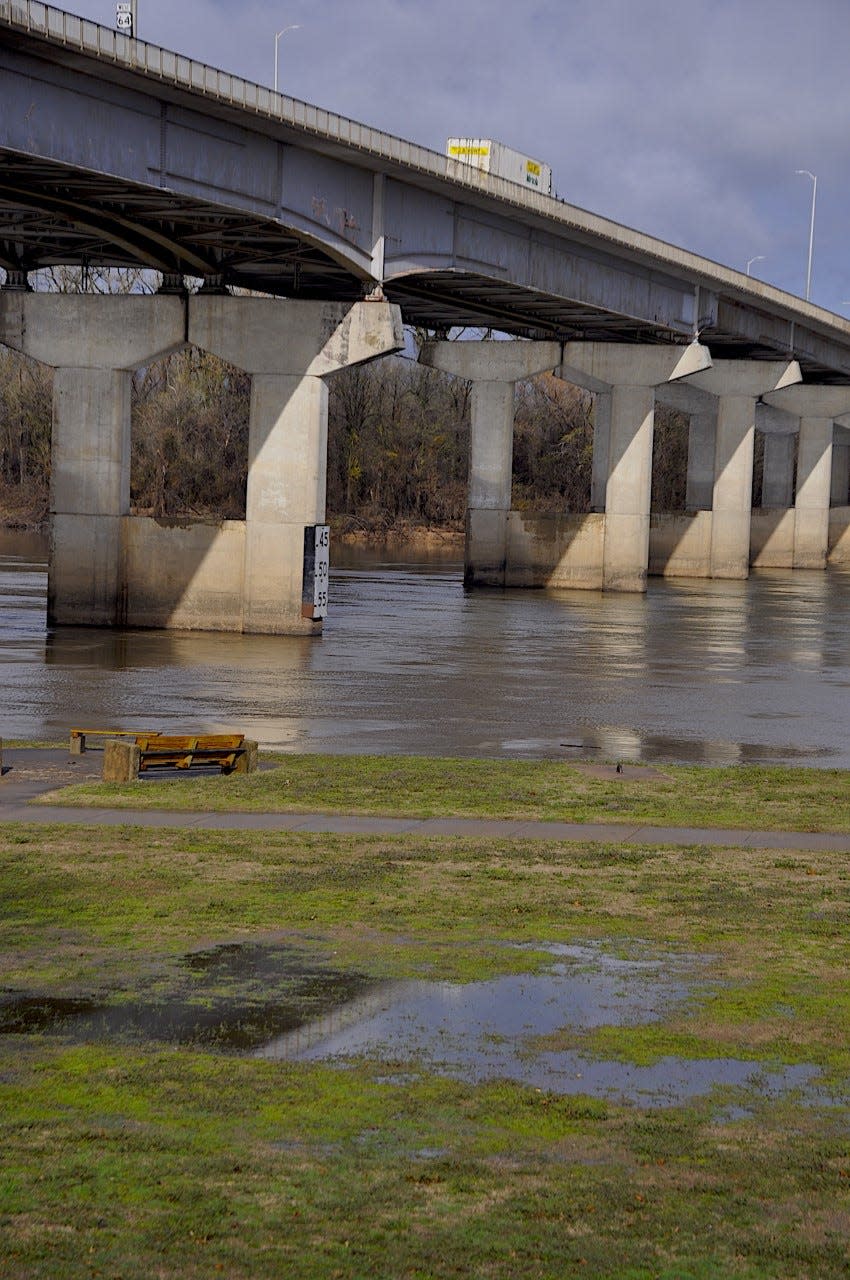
pixel 629 375
pixel 491 442
pixel 601 449
pixel 289 348
pixel 629 489
pixel 733 487
pixel 737 384
pixel 840 486
pixel 702 436
pixel 94 344
pixel 817 408
pixel 777 486
pixel 493 368
pixel 814 480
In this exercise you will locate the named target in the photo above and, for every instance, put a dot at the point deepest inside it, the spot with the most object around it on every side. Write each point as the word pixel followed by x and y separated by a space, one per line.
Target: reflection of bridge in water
pixel 487 1030
pixel 114 152
pixel 331 1027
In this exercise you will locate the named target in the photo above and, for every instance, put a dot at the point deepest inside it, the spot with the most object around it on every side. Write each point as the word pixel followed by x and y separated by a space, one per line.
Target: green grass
pixel 774 798
pixel 138 1161
pixel 180 1165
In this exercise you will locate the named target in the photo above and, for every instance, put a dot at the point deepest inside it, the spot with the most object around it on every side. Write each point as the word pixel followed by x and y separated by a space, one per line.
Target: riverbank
pixel 139 1141
pixel 769 797
pixel 350 532
pixel 24 512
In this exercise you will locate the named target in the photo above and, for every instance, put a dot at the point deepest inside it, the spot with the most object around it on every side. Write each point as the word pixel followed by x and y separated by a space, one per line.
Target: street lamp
pixel 807 174
pixel 295 27
pixel 758 258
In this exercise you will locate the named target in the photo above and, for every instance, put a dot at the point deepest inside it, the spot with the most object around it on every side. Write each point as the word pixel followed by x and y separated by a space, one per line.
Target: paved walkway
pixel 29 772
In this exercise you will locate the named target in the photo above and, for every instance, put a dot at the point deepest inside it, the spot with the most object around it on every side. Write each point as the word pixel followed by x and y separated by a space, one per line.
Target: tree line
pixel 398 441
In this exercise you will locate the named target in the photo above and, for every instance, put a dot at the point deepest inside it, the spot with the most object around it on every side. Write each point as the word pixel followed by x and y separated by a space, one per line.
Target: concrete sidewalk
pixel 30 772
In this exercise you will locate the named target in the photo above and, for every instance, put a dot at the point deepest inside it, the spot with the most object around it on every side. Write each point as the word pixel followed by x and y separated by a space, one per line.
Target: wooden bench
pixel 124 761
pixel 77 744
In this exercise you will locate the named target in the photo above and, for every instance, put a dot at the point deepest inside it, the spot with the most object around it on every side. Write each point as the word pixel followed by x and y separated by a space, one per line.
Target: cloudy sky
pixel 683 118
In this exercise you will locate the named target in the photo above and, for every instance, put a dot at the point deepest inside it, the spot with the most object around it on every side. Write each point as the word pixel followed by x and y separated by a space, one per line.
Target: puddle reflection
pixel 275 1002
pixel 486 1031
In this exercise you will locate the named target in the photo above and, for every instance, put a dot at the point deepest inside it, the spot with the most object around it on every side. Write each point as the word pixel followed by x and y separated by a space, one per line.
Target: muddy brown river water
pixel 719 672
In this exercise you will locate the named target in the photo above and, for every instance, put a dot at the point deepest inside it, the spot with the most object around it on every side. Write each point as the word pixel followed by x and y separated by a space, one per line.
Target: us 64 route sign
pixel 124 17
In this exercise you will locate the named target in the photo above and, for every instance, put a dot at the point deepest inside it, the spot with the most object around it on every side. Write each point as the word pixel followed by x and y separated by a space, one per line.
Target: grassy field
pixel 141 1159
pixel 775 798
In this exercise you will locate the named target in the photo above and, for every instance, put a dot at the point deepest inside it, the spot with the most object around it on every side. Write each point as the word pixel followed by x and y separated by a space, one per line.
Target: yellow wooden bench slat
pixel 77 745
pixel 190 742
pixel 232 752
pixel 182 751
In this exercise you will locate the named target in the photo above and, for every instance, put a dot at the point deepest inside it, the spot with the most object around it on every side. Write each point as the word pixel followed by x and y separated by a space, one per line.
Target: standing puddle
pixel 486 1030
pixel 276 1003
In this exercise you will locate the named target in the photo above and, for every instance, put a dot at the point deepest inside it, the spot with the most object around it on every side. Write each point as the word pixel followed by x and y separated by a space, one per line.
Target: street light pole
pixel 295 27
pixel 758 258
pixel 807 174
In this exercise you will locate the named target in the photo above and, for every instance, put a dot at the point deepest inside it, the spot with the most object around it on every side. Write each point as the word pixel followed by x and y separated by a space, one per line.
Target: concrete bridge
pixel 115 152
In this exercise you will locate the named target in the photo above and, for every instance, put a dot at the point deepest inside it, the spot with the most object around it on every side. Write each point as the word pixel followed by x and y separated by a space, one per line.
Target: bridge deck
pixel 358 206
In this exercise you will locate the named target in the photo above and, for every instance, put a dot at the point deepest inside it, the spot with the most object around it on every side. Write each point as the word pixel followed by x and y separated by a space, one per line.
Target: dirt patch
pixel 30 771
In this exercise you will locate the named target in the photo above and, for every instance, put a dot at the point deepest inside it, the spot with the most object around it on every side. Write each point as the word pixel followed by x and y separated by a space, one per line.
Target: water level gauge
pixel 314 595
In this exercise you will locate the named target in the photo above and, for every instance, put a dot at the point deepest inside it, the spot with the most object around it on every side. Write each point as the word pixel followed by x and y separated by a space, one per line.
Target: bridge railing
pixel 103 42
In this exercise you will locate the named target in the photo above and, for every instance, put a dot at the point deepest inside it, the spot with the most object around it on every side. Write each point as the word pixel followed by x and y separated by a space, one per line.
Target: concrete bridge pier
pixel 108 568
pixel 624 379
pixel 777 486
pixel 816 407
pixel 94 344
pixel 722 407
pixel 840 486
pixel 494 368
pixel 691 546
pixel 811 505
pixel 289 348
pixel 702 440
pixel 737 385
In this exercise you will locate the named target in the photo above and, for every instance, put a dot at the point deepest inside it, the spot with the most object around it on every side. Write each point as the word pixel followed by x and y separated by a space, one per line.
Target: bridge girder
pixel 53 214
pixel 115 152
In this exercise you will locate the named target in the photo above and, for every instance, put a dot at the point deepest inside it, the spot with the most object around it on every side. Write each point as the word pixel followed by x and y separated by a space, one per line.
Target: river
pixel 718 672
